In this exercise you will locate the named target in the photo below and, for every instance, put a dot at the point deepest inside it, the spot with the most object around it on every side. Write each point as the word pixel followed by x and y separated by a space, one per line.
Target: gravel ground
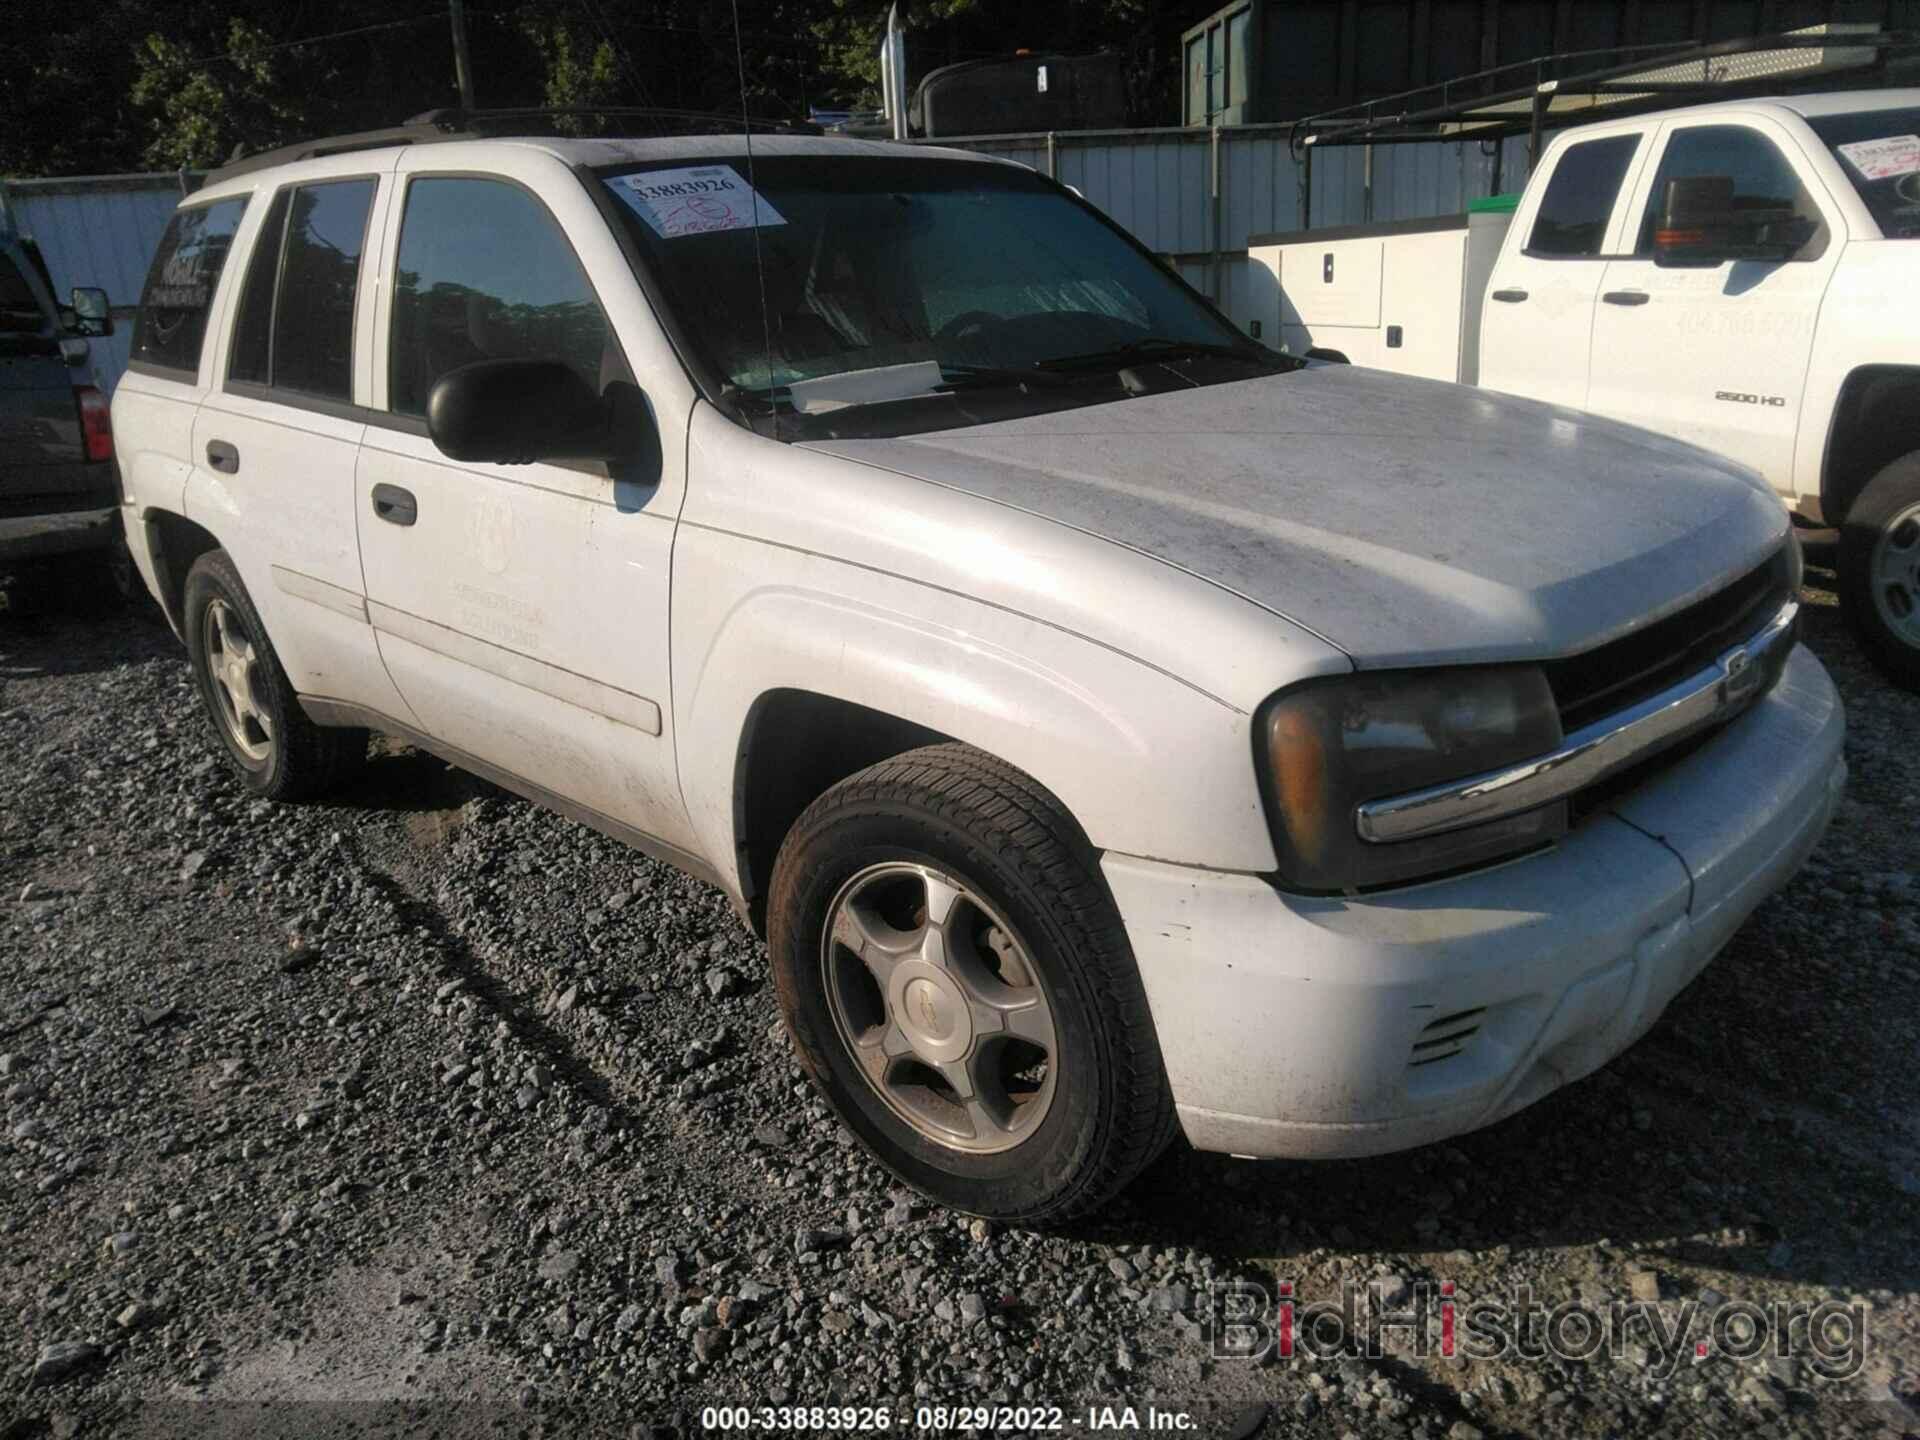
pixel 429 1097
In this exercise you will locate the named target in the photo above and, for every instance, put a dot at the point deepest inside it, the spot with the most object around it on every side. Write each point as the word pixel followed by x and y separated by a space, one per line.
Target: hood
pixel 1406 521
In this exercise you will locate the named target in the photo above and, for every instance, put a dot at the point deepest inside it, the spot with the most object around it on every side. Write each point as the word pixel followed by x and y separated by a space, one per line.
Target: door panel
pixel 522 610
pixel 523 613
pixel 1536 321
pixel 1716 355
pixel 275 441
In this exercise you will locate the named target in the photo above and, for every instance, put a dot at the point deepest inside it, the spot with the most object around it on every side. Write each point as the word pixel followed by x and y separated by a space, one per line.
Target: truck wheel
pixel 279 753
pixel 1880 570
pixel 958 983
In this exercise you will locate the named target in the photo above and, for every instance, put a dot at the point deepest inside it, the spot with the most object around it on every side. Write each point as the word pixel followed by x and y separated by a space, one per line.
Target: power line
pixel 253 50
pixel 619 50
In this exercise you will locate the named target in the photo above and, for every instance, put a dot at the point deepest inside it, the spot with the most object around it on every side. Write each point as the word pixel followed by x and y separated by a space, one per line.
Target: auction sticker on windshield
pixel 1885 158
pixel 701 200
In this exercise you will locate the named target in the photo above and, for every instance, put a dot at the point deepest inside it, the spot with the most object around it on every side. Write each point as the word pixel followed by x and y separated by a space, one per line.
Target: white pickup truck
pixel 1742 275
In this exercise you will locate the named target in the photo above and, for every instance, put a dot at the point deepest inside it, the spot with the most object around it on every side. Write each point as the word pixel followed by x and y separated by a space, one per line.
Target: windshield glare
pixel 1880 152
pixel 901 275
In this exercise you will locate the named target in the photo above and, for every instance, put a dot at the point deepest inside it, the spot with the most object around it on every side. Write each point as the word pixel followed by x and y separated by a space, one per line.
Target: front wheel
pixel 959 984
pixel 1880 570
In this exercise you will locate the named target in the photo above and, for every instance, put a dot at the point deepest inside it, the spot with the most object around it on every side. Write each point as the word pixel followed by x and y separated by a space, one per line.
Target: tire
pixel 278 753
pixel 1032 942
pixel 1880 570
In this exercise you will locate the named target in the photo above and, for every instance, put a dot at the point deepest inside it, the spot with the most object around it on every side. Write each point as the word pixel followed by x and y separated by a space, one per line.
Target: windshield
pixel 873 281
pixel 1880 151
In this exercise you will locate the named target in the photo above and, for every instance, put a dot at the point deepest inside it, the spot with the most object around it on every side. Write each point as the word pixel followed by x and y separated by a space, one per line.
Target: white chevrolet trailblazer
pixel 1114 727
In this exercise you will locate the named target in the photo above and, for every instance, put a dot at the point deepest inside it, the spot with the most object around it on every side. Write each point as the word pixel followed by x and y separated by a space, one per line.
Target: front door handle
pixel 394 505
pixel 1510 297
pixel 1626 297
pixel 223 457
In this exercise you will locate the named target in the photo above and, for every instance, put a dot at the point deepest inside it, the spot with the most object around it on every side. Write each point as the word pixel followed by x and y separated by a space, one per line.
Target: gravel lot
pixel 428 1097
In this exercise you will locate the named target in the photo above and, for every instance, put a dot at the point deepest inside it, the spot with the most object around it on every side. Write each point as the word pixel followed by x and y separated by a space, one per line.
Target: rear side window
pixel 295 325
pixel 180 285
pixel 1572 222
pixel 485 273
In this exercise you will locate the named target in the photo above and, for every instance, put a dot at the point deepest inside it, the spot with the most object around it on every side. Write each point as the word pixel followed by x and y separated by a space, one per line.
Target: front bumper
pixel 1319 1027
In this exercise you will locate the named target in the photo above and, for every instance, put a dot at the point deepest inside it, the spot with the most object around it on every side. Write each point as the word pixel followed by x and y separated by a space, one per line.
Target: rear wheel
pixel 277 751
pixel 1880 570
pixel 960 986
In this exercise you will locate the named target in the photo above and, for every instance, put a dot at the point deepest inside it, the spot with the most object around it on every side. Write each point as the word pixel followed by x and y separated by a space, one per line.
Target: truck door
pixel 1537 321
pixel 1716 352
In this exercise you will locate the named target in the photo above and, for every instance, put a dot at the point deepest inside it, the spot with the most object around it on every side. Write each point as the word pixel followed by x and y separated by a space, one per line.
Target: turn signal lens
pixel 1332 745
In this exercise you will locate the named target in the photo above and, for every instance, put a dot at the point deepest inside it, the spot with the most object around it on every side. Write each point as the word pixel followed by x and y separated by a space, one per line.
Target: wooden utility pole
pixel 462 57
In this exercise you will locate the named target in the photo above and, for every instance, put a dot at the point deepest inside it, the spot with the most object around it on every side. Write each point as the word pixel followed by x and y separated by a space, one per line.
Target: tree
pixel 126 84
pixel 201 112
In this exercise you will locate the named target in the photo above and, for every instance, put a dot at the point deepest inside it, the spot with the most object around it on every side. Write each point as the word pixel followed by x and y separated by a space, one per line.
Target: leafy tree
pixel 200 113
pixel 119 85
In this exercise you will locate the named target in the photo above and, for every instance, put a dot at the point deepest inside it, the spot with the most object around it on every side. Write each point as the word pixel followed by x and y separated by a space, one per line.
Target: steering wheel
pixel 966 320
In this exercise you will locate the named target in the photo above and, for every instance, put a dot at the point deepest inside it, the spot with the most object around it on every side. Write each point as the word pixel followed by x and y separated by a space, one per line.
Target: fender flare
pixel 1170 775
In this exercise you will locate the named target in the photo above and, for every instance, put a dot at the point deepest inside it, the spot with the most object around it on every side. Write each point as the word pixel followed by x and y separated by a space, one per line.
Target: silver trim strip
pixel 323 593
pixel 636 711
pixel 1604 748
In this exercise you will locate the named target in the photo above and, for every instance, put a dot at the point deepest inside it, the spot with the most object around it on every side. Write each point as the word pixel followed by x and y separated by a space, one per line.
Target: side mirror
pixel 1700 225
pixel 514 412
pixel 92 312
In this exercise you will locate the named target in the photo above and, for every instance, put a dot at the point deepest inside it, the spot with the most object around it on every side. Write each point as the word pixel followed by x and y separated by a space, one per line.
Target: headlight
pixel 1329 746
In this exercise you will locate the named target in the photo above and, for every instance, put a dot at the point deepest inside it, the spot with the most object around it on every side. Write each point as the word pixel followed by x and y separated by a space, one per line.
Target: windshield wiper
pixel 955 377
pixel 1158 347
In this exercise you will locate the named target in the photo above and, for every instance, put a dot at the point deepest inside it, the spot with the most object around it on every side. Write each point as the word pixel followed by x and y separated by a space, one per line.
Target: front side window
pixel 486 274
pixel 1573 215
pixel 1880 152
pixel 172 323
pixel 833 282
pixel 1762 178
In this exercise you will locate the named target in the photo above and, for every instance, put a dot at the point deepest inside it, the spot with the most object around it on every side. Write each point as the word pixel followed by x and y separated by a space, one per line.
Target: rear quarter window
pixel 172 324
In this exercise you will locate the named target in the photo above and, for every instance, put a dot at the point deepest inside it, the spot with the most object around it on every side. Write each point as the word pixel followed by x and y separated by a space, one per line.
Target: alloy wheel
pixel 939 1003
pixel 234 664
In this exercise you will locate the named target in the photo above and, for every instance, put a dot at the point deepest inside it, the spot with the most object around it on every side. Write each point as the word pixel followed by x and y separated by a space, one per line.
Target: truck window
pixel 20 311
pixel 1762 178
pixel 486 274
pixel 186 270
pixel 1572 221
pixel 1880 152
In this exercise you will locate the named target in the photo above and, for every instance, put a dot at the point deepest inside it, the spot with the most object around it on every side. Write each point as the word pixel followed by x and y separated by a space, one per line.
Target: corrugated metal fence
pixel 1192 195
pixel 1195 195
pixel 98 230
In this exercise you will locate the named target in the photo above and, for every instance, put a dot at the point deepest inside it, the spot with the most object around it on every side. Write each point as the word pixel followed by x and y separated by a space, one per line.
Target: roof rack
pixel 439 126
pixel 1528 97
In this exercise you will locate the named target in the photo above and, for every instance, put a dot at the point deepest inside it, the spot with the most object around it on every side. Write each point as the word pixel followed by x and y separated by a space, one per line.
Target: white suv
pixel 1113 726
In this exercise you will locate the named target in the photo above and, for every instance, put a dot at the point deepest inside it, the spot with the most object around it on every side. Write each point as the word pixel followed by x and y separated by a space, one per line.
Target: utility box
pixel 1402 296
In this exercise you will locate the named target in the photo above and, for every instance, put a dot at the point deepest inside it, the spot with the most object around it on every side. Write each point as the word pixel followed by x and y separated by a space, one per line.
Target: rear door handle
pixel 1626 297
pixel 394 505
pixel 1510 297
pixel 223 457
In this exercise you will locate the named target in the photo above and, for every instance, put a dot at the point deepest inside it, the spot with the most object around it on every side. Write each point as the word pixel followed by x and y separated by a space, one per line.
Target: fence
pixel 1192 195
pixel 98 230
